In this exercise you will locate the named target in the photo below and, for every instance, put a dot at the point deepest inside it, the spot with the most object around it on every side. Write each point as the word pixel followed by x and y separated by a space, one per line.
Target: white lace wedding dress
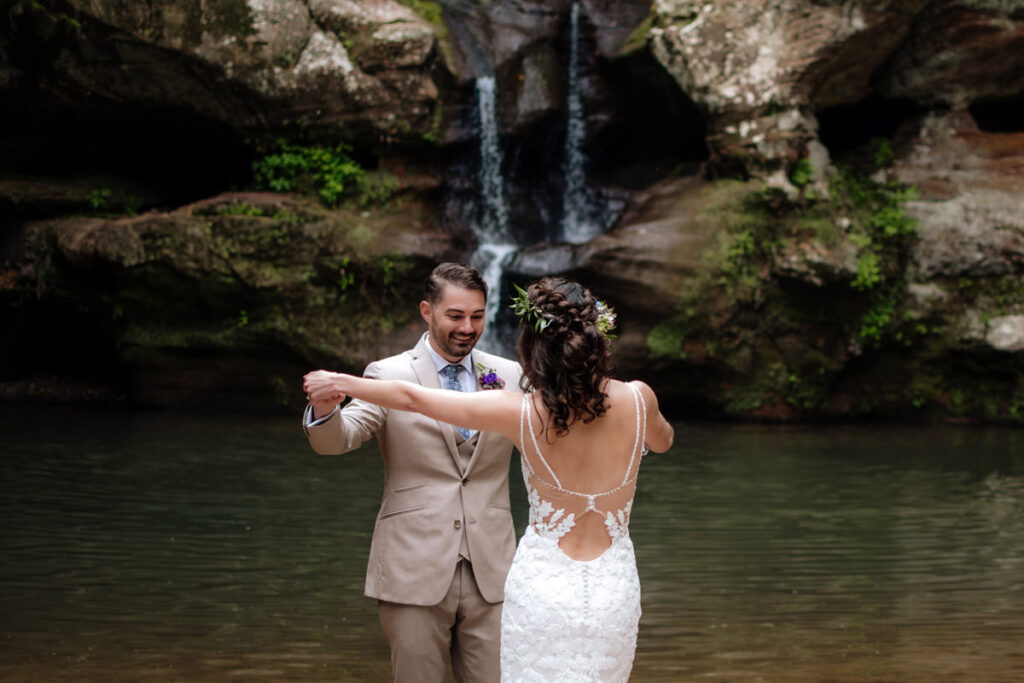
pixel 566 619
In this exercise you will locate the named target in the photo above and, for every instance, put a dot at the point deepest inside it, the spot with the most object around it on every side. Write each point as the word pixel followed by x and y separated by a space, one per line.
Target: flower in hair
pixel 528 311
pixel 605 319
pixel 488 378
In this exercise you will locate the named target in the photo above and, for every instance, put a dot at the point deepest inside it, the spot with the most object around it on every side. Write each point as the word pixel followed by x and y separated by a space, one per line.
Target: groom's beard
pixel 456 345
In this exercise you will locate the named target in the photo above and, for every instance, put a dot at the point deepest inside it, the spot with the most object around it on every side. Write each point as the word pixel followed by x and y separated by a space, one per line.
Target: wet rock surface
pixel 135 266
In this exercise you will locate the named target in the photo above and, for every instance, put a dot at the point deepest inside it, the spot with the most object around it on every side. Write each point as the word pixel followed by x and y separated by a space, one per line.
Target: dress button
pixel 458 524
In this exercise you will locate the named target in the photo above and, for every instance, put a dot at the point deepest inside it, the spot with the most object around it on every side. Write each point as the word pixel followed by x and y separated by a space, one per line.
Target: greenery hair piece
pixel 605 319
pixel 528 312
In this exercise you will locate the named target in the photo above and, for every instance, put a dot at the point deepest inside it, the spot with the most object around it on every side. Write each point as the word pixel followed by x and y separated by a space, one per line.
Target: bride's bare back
pixel 582 483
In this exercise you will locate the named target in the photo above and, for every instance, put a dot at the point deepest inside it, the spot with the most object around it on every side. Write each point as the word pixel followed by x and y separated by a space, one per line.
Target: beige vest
pixel 466 448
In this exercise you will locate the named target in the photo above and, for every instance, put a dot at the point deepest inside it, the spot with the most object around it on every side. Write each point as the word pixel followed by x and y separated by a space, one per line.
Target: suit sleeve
pixel 347 429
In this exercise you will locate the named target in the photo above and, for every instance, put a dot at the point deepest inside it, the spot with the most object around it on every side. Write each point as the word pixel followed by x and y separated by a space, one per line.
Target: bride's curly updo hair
pixel 568 360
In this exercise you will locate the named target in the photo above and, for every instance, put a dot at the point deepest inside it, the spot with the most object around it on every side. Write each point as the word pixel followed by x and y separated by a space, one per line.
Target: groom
pixel 443 540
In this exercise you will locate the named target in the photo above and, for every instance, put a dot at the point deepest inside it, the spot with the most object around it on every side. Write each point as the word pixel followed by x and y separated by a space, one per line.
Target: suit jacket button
pixel 458 524
pixel 465 481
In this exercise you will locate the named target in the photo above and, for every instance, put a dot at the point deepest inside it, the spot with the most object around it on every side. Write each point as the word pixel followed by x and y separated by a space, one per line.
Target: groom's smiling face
pixel 455 322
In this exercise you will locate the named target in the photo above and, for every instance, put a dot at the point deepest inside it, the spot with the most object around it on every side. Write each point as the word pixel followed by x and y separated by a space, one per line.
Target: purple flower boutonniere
pixel 487 378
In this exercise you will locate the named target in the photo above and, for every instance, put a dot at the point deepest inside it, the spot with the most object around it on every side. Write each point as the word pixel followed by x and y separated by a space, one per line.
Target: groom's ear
pixel 425 310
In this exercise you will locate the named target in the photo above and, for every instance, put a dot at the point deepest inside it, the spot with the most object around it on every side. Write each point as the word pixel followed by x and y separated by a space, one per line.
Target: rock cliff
pixel 814 208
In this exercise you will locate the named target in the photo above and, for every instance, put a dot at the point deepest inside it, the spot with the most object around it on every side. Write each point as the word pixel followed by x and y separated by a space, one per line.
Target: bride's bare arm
pixel 488 411
pixel 660 433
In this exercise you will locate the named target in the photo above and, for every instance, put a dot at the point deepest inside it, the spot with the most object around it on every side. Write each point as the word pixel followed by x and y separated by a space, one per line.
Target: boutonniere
pixel 487 378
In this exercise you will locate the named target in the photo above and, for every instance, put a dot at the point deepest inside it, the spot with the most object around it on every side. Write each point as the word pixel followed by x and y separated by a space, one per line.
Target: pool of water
pixel 145 546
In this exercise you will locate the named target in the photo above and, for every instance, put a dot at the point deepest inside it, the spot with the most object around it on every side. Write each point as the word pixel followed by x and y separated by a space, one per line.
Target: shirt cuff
pixel 310 422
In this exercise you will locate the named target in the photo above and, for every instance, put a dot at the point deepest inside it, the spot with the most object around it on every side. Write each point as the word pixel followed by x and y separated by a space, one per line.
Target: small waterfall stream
pixel 578 224
pixel 494 225
pixel 495 246
pixel 582 217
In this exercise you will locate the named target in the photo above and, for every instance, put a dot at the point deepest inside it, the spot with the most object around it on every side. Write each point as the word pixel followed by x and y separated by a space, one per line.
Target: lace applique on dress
pixel 546 519
pixel 618 523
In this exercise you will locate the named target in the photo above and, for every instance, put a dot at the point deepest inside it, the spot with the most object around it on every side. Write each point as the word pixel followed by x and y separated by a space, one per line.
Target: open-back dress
pixel 567 619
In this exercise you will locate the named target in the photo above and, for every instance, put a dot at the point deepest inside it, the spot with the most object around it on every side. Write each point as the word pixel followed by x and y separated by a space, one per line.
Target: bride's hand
pixel 322 391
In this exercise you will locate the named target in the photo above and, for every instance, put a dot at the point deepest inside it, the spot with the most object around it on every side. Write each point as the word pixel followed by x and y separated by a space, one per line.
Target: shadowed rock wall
pixel 767 261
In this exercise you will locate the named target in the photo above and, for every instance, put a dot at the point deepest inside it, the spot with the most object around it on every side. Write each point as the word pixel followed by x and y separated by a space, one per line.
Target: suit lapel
pixel 481 444
pixel 426 374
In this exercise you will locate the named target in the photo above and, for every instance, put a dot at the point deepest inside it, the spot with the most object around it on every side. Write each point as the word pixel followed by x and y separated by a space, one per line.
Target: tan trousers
pixel 463 628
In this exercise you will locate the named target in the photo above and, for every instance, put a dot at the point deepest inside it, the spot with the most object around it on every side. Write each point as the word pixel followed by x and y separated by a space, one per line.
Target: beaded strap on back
pixel 525 413
pixel 641 426
pixel 525 419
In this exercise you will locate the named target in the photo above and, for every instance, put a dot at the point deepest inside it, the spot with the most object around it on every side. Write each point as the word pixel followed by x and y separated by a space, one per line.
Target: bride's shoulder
pixel 623 390
pixel 619 386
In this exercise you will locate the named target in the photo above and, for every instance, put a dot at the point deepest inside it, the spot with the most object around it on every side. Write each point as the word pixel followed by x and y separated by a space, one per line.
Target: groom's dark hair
pixel 457 274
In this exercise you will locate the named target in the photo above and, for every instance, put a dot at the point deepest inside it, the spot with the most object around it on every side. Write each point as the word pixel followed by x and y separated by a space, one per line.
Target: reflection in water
pixel 156 547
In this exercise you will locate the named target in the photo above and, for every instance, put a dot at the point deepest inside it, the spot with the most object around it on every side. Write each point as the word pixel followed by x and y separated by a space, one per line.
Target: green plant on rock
pixel 808 391
pixel 327 172
pixel 876 209
pixel 869 275
pixel 433 135
pixel 239 209
pixel 287 217
pixel 431 11
pixel 374 280
pixel 665 341
pixel 391 271
pixel 346 278
pixel 1015 410
pixel 877 319
pixel 279 236
pixel 376 188
pixel 881 231
pixel 98 198
pixel 882 150
pixel 108 202
pixel 889 219
pixel 801 173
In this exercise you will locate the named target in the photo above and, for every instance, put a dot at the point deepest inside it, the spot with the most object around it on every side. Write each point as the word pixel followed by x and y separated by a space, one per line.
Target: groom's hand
pixel 321 392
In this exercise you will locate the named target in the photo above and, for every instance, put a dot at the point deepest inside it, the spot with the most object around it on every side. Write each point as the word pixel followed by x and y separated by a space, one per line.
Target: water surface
pixel 141 546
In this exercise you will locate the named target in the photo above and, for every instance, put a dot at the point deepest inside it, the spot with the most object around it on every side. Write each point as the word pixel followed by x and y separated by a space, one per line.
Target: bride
pixel 572 596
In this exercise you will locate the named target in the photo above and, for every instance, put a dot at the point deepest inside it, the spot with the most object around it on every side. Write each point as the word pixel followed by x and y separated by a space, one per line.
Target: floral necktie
pixel 451 376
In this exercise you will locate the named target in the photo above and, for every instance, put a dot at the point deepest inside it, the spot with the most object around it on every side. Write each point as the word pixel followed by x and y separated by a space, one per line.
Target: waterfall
pixel 491 260
pixel 495 246
pixel 494 225
pixel 578 224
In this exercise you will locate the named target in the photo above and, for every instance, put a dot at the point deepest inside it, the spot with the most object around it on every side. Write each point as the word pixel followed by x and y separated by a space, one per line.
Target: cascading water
pixel 494 225
pixel 584 215
pixel 578 223
pixel 494 245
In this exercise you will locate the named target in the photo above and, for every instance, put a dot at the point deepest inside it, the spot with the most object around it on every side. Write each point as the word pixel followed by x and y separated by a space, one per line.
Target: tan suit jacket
pixel 428 500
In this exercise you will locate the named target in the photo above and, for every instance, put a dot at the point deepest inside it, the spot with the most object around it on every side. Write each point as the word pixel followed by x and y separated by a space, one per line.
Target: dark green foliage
pixel 801 173
pixel 327 172
pixel 777 342
pixel 882 149
pixel 105 201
